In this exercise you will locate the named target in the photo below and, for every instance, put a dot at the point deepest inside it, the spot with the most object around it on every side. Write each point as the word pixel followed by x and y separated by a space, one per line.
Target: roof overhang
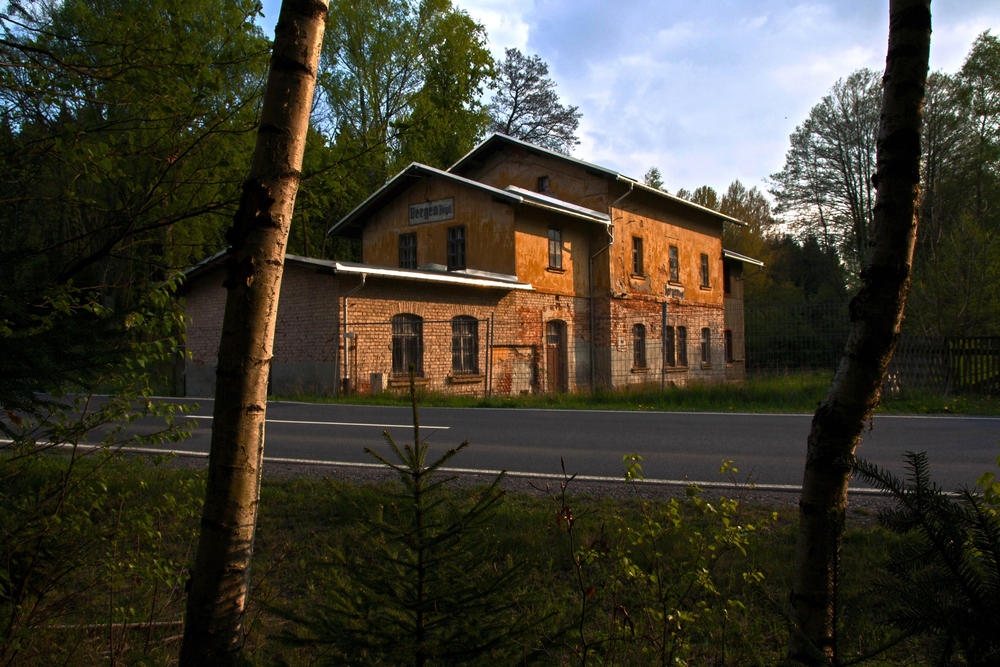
pixel 468 278
pixel 493 143
pixel 679 200
pixel 350 224
pixel 536 200
pixel 735 256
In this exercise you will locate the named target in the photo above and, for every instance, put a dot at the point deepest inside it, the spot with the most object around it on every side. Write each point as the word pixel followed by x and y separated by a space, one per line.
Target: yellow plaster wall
pixel 659 230
pixel 489 228
pixel 532 244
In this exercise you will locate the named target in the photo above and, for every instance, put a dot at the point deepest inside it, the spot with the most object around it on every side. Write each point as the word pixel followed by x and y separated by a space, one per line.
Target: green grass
pixel 800 392
pixel 305 523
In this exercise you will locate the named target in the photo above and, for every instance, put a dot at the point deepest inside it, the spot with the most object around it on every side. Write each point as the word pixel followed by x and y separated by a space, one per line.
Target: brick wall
pixel 305 338
pixel 513 355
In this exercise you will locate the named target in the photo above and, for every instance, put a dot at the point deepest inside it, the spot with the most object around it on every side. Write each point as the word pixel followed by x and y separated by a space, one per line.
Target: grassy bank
pixel 544 579
pixel 788 393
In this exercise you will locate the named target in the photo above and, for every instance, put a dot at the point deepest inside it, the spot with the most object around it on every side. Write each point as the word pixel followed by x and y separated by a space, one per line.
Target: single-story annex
pixel 518 270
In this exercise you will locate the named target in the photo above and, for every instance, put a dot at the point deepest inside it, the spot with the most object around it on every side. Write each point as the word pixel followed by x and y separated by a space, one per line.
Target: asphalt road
pixel 675 446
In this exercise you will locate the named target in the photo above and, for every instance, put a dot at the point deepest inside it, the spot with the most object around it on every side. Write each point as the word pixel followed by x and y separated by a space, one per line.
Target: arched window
pixel 639 346
pixel 407 345
pixel 465 345
pixel 706 346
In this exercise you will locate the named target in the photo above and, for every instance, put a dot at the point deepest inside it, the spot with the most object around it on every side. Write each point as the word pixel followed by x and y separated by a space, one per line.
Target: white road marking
pixel 789 488
pixel 309 423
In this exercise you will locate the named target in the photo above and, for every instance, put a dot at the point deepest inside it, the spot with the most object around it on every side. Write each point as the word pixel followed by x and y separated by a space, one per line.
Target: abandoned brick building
pixel 518 270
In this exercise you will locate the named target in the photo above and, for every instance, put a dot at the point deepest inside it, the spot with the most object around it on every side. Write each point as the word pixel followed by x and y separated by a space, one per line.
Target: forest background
pixel 126 128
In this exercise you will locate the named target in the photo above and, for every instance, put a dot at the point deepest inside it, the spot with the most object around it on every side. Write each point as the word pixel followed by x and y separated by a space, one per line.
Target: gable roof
pixel 495 142
pixel 351 223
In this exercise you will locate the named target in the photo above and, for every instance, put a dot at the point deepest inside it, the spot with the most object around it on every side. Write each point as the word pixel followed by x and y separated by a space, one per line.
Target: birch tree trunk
pixel 213 629
pixel 876 314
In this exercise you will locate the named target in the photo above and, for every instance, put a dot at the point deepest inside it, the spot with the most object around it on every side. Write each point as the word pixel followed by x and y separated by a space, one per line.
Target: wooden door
pixel 556 358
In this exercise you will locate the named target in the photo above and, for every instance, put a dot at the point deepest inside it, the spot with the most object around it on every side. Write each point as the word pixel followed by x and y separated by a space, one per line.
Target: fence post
pixel 663 347
pixel 489 345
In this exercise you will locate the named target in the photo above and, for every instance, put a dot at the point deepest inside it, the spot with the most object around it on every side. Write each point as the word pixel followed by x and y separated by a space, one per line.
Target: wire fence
pixel 541 352
pixel 783 338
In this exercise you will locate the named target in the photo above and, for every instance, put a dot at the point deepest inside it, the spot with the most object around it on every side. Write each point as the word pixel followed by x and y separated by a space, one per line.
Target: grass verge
pixel 117 578
pixel 800 392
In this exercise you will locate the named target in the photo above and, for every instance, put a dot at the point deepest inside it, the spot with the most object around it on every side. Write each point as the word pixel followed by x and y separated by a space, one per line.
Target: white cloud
pixel 950 43
pixel 708 92
pixel 505 22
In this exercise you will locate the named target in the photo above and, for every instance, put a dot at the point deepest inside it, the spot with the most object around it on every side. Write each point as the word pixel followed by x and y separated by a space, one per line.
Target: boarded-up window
pixel 456 248
pixel 639 346
pixel 682 346
pixel 669 354
pixel 407 251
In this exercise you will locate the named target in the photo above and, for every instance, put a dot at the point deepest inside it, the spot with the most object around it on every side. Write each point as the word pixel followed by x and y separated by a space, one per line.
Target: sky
pixel 708 92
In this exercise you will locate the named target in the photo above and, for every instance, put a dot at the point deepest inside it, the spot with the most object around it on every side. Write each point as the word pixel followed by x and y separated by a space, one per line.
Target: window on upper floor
pixel 407 345
pixel 639 346
pixel 543 184
pixel 555 248
pixel 465 345
pixel 637 256
pixel 727 279
pixel 456 248
pixel 704 271
pixel 408 251
pixel 675 265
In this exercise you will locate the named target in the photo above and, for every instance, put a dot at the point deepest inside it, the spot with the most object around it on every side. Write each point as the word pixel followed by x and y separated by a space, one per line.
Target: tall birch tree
pixel 213 629
pixel 876 314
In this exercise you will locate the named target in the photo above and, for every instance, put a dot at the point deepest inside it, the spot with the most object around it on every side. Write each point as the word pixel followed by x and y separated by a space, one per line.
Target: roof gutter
pixel 347 358
pixel 563 211
pixel 590 277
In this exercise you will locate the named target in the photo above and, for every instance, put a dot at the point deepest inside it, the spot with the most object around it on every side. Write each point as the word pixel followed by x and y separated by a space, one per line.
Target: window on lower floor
pixel 729 346
pixel 682 346
pixel 669 355
pixel 407 345
pixel 639 346
pixel 465 346
pixel 456 248
pixel 706 346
